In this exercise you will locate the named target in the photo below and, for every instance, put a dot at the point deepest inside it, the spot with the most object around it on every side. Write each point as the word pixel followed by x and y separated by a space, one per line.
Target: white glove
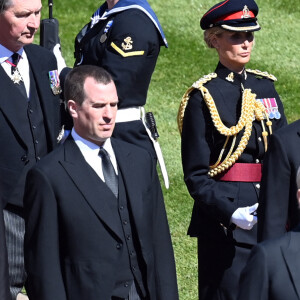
pixel 243 217
pixel 59 58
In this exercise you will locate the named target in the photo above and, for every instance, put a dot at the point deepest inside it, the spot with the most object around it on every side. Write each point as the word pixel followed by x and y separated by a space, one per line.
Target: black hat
pixel 232 15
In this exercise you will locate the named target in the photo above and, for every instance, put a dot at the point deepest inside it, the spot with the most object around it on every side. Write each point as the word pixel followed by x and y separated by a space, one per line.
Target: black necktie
pixel 15 60
pixel 110 177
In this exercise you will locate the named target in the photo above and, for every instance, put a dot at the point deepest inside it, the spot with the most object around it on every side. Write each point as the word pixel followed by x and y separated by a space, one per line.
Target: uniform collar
pixel 230 76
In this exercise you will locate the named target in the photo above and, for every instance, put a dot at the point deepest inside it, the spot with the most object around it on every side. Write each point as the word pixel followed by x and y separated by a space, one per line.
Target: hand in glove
pixel 59 58
pixel 243 217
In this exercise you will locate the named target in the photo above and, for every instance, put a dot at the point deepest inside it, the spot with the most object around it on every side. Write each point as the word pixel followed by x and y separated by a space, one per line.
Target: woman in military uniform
pixel 225 119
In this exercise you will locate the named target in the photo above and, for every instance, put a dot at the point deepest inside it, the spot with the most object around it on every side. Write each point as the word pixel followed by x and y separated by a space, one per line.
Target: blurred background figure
pixel 273 268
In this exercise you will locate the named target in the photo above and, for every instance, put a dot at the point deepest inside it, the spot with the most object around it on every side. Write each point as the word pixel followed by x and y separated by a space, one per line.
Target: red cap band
pixel 236 16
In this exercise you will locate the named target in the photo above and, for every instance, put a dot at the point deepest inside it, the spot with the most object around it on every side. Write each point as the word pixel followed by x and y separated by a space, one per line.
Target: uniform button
pixel 33 127
pixel 31 111
pixel 257 161
pixel 131 253
pixel 257 186
pixel 38 158
pixel 259 139
pixel 126 284
pixel 133 268
pixel 119 246
pixel 24 159
pixel 121 207
pixel 128 237
pixel 36 141
pixel 125 222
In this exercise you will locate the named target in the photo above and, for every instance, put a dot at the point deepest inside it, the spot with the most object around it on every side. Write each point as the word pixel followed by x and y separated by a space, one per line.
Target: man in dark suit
pixel 96 226
pixel 273 269
pixel 4 290
pixel 29 117
pixel 278 206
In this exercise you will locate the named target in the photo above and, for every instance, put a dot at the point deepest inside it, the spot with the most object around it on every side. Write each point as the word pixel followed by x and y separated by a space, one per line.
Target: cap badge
pixel 246 14
pixel 230 77
pixel 127 44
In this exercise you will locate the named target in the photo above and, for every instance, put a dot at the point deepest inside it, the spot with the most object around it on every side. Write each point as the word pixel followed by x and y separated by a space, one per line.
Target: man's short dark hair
pixel 74 84
pixel 5 4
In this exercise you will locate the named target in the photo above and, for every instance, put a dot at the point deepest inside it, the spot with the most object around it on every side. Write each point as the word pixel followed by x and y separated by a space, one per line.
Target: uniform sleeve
pixel 130 56
pixel 215 198
pixel 254 278
pixel 275 190
pixel 41 250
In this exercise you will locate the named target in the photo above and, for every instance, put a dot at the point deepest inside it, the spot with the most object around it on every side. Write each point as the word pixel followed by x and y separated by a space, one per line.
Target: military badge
pixel 106 29
pixel 271 107
pixel 127 44
pixel 16 77
pixel 230 77
pixel 54 82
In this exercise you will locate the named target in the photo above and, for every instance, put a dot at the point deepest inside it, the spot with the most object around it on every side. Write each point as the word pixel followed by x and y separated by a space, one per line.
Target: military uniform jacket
pixel 215 201
pixel 278 205
pixel 129 52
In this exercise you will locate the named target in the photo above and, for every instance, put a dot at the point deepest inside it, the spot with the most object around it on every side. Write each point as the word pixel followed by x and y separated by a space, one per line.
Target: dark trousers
pixel 219 269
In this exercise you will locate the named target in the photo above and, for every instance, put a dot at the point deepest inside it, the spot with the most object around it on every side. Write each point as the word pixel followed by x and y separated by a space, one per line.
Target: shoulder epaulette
pixel 263 74
pixel 184 101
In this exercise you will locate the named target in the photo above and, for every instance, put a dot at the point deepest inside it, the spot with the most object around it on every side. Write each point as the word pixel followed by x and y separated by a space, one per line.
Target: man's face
pixel 95 119
pixel 19 23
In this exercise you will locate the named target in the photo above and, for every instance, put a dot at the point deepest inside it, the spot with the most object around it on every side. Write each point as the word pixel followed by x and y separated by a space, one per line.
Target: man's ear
pixel 72 107
pixel 298 197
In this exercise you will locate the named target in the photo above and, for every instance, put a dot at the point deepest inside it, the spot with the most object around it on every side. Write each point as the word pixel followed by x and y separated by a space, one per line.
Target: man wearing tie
pixel 96 226
pixel 29 117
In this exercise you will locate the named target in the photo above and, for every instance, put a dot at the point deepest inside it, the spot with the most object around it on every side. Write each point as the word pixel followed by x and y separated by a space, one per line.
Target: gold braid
pixel 250 108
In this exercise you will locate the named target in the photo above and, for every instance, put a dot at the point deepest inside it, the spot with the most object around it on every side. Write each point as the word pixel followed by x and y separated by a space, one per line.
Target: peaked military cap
pixel 232 15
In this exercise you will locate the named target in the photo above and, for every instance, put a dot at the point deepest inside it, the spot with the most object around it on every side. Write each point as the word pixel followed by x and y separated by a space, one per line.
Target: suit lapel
pixel 42 83
pixel 95 192
pixel 291 257
pixel 12 104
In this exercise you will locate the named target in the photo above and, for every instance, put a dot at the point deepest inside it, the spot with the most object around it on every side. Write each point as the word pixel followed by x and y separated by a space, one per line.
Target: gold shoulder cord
pixel 250 109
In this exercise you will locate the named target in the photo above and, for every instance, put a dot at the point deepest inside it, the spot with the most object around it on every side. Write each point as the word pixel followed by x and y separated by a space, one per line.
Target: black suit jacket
pixel 72 240
pixel 15 160
pixel 4 291
pixel 273 270
pixel 278 205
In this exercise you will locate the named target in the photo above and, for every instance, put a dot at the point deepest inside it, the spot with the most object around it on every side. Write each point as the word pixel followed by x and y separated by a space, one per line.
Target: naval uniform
pixel 126 42
pixel 222 248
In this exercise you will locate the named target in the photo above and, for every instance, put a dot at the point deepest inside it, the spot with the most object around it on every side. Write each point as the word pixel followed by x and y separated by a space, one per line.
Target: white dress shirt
pixel 23 65
pixel 90 151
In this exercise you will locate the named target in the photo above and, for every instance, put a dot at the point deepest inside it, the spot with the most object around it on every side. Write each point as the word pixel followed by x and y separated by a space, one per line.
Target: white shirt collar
pixel 90 151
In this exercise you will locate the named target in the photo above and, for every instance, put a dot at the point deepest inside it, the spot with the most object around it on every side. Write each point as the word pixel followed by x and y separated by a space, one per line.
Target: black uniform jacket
pixel 215 201
pixel 273 270
pixel 72 241
pixel 129 53
pixel 15 160
pixel 278 209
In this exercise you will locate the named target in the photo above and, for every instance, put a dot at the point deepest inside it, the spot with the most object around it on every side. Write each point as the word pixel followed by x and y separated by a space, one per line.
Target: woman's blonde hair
pixel 209 35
